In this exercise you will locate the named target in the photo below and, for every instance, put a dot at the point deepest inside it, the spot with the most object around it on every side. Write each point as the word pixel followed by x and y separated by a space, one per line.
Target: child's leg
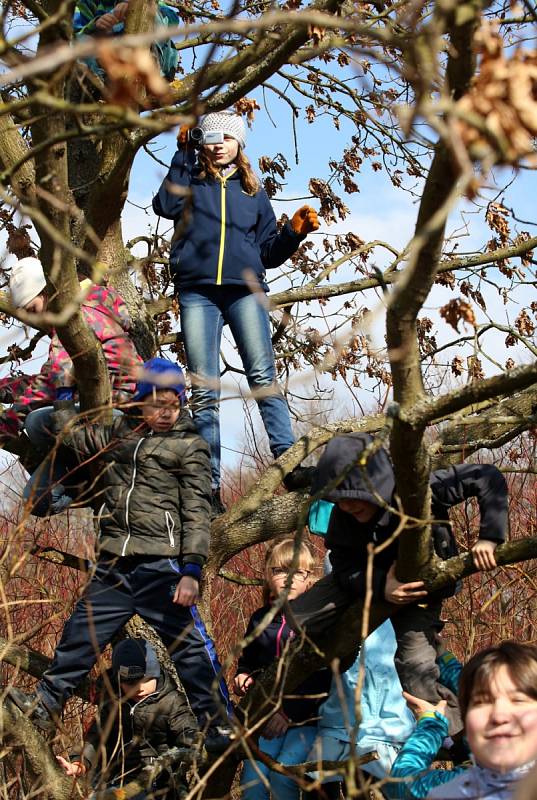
pixel 296 746
pixel 103 609
pixel 252 786
pixel 249 322
pixel 415 659
pixel 184 634
pixel 318 609
pixel 201 326
pixel 45 492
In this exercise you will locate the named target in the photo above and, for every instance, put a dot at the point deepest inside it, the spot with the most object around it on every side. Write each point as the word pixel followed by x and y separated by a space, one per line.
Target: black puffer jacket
pixel 126 736
pixel 269 646
pixel 157 486
pixel 347 539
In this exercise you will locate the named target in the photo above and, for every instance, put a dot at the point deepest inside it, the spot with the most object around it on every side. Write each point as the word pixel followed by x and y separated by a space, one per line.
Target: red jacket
pixel 106 313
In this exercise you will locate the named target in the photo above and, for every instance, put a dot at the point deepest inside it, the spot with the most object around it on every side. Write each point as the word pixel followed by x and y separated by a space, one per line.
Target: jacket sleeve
pixel 275 248
pixel 92 744
pixel 85 439
pixel 169 201
pixel 450 671
pixel 411 767
pixel 86 14
pixel 194 476
pixel 482 481
pixel 248 662
pixel 180 719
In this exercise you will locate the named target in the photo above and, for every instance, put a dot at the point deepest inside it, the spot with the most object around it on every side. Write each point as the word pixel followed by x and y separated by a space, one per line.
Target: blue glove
pixel 65 393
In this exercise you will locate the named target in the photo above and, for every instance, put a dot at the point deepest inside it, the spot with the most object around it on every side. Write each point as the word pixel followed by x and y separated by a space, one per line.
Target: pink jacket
pixel 106 314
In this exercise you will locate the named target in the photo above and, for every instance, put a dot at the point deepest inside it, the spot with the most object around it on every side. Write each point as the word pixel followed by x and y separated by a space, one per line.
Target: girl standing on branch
pixel 225 239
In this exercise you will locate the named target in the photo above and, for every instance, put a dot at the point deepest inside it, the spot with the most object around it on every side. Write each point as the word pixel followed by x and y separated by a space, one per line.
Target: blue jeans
pixel 293 748
pixel 204 312
pixel 58 480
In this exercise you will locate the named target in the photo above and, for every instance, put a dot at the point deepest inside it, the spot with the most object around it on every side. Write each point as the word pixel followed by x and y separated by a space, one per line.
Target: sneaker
pixel 32 707
pixel 217 740
pixel 217 506
pixel 299 478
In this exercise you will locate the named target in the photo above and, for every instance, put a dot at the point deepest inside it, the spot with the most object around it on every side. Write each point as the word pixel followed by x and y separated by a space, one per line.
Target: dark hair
pixel 519 659
pixel 249 180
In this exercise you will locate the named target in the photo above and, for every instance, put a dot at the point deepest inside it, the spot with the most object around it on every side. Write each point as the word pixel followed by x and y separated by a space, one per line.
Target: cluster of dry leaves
pixel 133 76
pixel 498 116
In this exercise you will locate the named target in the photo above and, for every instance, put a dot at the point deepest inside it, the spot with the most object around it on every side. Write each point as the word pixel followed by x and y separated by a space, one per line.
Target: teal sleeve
pixel 411 777
pixel 450 671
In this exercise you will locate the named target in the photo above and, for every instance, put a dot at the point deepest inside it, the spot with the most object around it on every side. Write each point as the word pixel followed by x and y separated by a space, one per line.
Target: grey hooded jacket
pixel 157 486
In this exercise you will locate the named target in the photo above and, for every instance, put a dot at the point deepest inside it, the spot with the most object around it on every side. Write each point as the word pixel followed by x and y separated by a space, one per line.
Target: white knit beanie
pixel 228 122
pixel 26 281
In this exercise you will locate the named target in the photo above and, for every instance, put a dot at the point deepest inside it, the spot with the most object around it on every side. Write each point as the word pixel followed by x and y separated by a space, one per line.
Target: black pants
pixel 415 659
pixel 120 588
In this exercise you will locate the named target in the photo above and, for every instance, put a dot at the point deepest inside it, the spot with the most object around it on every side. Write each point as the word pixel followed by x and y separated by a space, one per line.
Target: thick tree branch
pixel 426 410
pixel 409 452
pixel 18 732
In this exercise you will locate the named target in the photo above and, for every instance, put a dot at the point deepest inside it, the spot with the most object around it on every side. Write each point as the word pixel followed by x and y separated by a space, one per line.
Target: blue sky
pixel 378 211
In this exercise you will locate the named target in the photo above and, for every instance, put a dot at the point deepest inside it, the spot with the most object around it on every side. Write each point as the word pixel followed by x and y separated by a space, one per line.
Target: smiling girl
pixel 498 699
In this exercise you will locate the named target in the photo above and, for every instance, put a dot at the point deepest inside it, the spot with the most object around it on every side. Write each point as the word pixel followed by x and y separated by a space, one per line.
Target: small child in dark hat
pixel 153 541
pixel 143 716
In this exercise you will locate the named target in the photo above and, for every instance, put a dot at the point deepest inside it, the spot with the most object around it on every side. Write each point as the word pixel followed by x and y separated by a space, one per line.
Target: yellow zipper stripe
pixel 222 226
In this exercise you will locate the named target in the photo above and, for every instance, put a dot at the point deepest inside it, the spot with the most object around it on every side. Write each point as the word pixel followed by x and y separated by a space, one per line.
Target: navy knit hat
pixel 134 660
pixel 159 373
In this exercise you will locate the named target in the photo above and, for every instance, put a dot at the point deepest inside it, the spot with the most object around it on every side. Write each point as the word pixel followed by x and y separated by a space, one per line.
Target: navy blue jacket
pixel 347 539
pixel 221 233
pixel 269 646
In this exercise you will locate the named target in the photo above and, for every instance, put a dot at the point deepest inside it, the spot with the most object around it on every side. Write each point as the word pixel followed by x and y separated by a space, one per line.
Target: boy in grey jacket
pixel 153 541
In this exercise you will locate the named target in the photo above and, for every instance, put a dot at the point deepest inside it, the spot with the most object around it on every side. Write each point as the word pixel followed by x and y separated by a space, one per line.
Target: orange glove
pixel 305 220
pixel 182 136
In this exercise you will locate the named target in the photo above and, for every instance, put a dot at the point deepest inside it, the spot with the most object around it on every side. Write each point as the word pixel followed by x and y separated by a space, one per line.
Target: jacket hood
pixel 373 482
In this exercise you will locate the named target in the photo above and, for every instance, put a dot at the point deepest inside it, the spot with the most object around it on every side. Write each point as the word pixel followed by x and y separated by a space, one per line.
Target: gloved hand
pixel 182 136
pixel 65 393
pixel 185 140
pixel 305 220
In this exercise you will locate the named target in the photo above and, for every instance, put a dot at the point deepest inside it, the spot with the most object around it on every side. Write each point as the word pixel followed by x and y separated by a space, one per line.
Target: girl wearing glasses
pixel 290 732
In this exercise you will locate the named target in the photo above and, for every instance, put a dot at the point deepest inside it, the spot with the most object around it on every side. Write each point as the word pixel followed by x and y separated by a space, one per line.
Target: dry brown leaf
pixel 132 76
pixel 503 96
pixel 456 311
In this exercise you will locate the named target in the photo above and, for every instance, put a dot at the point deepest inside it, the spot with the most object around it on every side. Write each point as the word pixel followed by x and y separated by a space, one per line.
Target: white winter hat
pixel 26 281
pixel 228 122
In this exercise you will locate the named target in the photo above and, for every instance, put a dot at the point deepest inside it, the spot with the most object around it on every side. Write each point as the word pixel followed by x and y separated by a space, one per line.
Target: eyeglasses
pixel 283 572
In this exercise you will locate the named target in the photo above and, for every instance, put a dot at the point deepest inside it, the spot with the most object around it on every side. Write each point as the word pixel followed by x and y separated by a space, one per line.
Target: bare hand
pixel 106 22
pixel 74 769
pixel 483 554
pixel 276 726
pixel 187 591
pixel 419 706
pixel 242 683
pixel 402 593
pixel 120 11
